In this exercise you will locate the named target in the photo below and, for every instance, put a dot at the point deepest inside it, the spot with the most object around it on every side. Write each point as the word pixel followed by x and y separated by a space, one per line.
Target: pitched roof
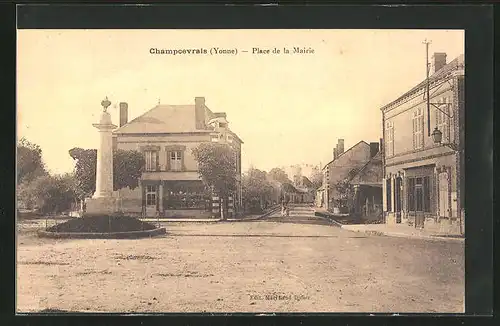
pixel 163 119
pixel 306 182
pixel 338 157
pixel 357 173
pixel 455 64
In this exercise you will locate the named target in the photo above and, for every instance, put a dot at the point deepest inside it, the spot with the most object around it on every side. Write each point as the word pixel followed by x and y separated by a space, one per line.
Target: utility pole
pixel 427 69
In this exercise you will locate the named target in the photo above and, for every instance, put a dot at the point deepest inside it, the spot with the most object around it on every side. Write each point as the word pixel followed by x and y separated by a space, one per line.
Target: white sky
pixel 288 109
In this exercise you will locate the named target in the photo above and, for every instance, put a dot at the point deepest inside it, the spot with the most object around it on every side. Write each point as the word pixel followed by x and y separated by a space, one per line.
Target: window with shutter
pixel 151 158
pixel 418 127
pixel 442 118
pixel 389 135
pixel 175 160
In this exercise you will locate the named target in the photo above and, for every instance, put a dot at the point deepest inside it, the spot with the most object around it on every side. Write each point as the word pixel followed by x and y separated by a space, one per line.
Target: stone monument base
pixel 101 205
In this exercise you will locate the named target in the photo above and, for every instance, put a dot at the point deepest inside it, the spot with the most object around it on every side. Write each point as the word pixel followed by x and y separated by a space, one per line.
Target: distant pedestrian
pixel 283 209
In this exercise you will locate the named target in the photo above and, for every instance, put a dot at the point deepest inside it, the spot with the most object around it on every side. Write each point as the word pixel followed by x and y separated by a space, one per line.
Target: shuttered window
pixel 418 129
pixel 389 138
pixel 151 158
pixel 176 160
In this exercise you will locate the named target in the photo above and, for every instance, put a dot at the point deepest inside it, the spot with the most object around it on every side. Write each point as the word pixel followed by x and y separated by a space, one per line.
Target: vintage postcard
pixel 240 171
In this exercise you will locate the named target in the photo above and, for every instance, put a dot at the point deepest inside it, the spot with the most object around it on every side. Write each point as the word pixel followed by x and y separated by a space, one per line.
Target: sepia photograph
pixel 240 171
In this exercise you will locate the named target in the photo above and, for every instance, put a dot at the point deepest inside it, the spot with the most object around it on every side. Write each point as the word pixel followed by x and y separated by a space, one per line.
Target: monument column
pixel 103 201
pixel 104 169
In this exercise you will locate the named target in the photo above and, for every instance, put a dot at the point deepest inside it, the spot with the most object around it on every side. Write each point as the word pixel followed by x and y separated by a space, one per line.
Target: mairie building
pixel 170 185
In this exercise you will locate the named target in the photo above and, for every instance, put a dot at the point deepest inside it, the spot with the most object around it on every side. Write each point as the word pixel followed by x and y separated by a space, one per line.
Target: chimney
pixel 373 149
pixel 123 113
pixel 199 112
pixel 340 147
pixel 334 153
pixel 438 62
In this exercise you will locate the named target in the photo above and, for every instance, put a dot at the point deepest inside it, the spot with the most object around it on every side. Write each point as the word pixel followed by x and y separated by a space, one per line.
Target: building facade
pixel 339 168
pixel 170 185
pixel 367 184
pixel 423 178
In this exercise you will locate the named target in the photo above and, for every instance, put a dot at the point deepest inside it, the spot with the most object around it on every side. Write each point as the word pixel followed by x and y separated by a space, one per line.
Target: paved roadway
pixel 298 263
pixel 299 214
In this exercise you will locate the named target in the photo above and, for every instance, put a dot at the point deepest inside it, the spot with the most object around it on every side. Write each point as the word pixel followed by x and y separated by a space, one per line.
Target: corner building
pixel 423 183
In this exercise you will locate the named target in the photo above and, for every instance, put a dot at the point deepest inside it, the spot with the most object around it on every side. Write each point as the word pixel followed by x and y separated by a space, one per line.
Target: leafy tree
pixel 85 170
pixel 345 191
pixel 316 178
pixel 53 194
pixel 256 188
pixel 279 175
pixel 217 168
pixel 29 161
pixel 127 169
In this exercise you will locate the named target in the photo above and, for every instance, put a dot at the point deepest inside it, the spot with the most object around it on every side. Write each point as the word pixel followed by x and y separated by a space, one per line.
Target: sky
pixel 287 108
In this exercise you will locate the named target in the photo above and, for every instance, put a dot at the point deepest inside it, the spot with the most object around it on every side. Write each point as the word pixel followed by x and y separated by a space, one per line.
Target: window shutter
pixel 384 196
pixel 157 153
pixel 183 166
pixel 167 163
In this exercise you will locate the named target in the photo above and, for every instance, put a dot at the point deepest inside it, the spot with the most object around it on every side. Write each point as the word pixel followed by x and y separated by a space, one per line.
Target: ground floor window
pixel 419 194
pixel 151 195
pixel 186 195
pixel 187 200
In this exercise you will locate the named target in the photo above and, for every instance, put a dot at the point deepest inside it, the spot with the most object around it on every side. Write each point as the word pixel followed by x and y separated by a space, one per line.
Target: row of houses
pixel 414 174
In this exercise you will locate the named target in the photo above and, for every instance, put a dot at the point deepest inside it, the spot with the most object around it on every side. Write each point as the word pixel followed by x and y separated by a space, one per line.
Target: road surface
pixel 299 263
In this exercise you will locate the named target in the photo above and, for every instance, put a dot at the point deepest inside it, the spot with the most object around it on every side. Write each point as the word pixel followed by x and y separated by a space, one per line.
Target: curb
pixel 402 235
pixel 108 235
pixel 182 220
pixel 329 218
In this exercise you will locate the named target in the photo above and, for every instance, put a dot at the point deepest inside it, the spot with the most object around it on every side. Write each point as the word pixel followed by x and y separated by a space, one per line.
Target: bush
pixel 53 194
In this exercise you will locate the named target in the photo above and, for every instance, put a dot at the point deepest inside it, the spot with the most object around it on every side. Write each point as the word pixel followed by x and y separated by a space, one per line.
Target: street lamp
pixel 437 135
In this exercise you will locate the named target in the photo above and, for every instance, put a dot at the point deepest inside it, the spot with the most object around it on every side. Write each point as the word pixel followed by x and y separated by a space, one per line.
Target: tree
pixel 317 178
pixel 256 188
pixel 29 161
pixel 345 191
pixel 85 171
pixel 217 168
pixel 127 169
pixel 279 175
pixel 52 194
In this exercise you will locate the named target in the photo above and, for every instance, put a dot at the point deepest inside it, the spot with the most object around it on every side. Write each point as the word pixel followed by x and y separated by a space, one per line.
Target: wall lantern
pixel 437 136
